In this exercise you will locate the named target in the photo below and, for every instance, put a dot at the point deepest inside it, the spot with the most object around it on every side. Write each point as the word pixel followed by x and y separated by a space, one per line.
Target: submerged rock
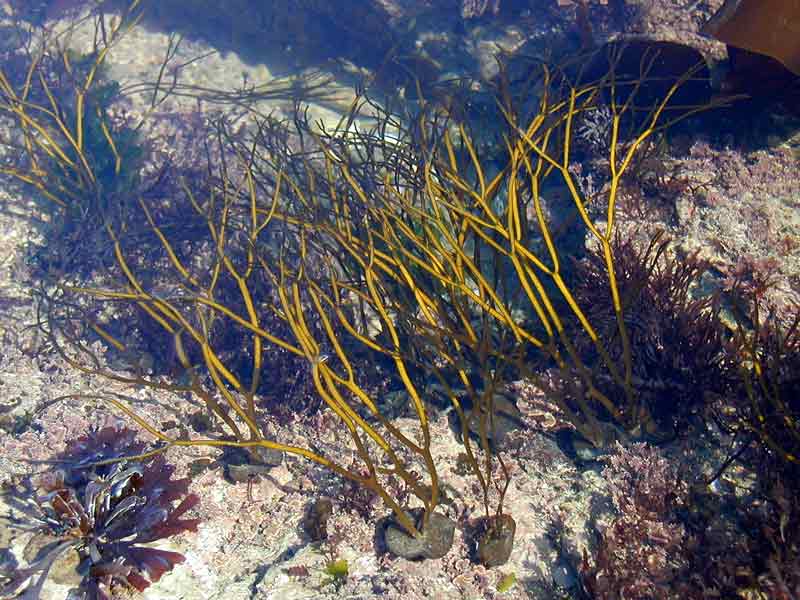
pixel 242 466
pixel 495 545
pixel 507 418
pixel 315 522
pixel 435 541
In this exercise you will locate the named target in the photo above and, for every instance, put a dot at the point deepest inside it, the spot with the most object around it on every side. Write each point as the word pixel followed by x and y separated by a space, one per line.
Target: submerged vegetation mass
pixel 417 246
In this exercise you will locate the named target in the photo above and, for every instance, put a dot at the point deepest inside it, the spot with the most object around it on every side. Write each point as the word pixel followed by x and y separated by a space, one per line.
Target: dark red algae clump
pixel 106 513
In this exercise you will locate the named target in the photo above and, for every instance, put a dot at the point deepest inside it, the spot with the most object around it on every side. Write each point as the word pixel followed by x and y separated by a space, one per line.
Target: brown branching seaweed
pixel 54 132
pixel 420 246
pixel 69 144
pixel 399 244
